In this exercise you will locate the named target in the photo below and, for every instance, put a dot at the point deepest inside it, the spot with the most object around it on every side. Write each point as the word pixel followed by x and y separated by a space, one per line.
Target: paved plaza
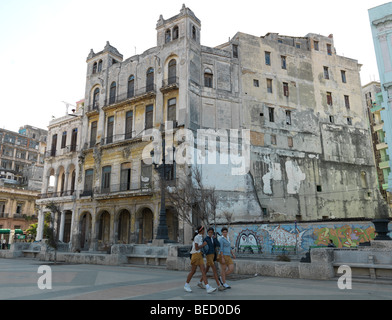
pixel 20 279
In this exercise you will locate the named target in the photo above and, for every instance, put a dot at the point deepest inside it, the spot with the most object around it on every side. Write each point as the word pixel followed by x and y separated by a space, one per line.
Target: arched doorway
pixel 85 230
pixel 124 227
pixel 67 227
pixel 104 229
pixel 146 225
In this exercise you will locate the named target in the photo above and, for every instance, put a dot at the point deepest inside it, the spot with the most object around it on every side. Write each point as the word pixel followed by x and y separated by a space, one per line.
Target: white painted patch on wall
pixel 295 177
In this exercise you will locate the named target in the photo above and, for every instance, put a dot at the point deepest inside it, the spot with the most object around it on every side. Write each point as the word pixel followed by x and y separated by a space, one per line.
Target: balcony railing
pixel 57 194
pixel 170 82
pixel 124 187
pixel 61 152
pixel 130 95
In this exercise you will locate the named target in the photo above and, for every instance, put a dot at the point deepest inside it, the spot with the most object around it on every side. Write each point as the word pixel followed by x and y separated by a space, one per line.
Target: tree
pixel 51 235
pixel 195 203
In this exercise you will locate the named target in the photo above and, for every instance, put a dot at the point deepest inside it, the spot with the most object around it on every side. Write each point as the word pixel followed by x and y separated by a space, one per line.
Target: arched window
pixel 208 78
pixel 95 68
pixel 131 86
pixel 172 71
pixel 194 33
pixel 175 33
pixel 96 99
pixel 167 36
pixel 112 97
pixel 100 66
pixel 150 80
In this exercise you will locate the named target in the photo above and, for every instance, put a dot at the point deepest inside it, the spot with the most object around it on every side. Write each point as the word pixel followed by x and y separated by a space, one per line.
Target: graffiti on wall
pixel 261 238
pixel 345 236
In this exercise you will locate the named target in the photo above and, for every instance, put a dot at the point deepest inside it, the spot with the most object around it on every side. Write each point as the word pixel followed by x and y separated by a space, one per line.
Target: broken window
pixel 329 49
pixel 175 33
pixel 235 51
pixel 269 85
pixel 109 131
pixel 150 80
pixel 96 99
pixel 283 62
pixel 64 140
pixel 316 45
pixel 329 98
pixel 285 89
pixel 112 97
pixel 88 182
pixel 54 146
pixel 267 58
pixel 347 102
pixel 271 114
pixel 128 124
pixel 349 121
pixel 106 172
pixel 331 119
pixel 343 73
pixel 131 86
pixel 194 33
pixel 149 117
pixel 172 71
pixel 171 110
pixel 125 177
pixel 256 83
pixel 288 117
pixel 167 36
pixel 326 73
pixel 93 134
pixel 208 78
pixel 74 139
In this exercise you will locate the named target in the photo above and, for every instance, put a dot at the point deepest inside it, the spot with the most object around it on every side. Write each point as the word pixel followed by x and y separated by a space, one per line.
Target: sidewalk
pixel 19 277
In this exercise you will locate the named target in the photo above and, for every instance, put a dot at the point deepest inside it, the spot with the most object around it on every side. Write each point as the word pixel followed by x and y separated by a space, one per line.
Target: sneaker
pixel 187 288
pixel 221 288
pixel 211 290
pixel 201 285
pixel 226 286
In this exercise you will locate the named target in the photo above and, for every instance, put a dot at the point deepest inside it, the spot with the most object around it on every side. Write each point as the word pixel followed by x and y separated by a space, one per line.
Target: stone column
pixel 40 226
pixel 62 222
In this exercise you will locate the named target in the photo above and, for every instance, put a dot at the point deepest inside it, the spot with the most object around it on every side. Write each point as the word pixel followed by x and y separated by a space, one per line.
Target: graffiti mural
pixel 248 242
pixel 344 237
pixel 262 238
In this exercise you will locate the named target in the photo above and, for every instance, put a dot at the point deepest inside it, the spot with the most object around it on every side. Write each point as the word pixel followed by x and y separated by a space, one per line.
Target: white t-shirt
pixel 199 240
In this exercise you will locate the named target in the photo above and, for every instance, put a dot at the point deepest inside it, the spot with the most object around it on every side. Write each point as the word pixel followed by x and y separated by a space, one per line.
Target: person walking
pixel 197 261
pixel 212 245
pixel 225 253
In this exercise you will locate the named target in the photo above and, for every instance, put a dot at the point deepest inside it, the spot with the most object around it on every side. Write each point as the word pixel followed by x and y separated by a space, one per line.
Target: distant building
pixel 381 27
pixel 21 172
pixel 373 100
pixel 310 157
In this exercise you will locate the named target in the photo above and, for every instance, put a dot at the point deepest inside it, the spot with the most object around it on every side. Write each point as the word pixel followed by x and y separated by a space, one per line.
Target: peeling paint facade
pixel 298 102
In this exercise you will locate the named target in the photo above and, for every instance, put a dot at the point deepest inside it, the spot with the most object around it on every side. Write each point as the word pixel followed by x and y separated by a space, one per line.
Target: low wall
pixel 301 235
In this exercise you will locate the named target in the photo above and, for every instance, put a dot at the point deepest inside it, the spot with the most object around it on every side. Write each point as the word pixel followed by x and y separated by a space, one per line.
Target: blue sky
pixel 44 43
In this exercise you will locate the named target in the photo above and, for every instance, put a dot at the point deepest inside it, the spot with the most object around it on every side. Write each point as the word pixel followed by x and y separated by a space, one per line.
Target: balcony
pixel 58 194
pixel 63 151
pixel 169 84
pixel 382 146
pixel 120 191
pixel 131 96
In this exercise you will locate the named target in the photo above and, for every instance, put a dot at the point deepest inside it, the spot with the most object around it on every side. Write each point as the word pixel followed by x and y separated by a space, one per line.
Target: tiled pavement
pixel 19 280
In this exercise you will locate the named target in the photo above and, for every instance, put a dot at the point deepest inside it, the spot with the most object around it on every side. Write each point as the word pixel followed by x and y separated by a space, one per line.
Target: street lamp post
pixel 162 232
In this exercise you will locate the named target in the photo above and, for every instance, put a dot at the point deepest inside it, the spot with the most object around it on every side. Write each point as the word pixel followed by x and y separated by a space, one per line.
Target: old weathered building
pixel 283 116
